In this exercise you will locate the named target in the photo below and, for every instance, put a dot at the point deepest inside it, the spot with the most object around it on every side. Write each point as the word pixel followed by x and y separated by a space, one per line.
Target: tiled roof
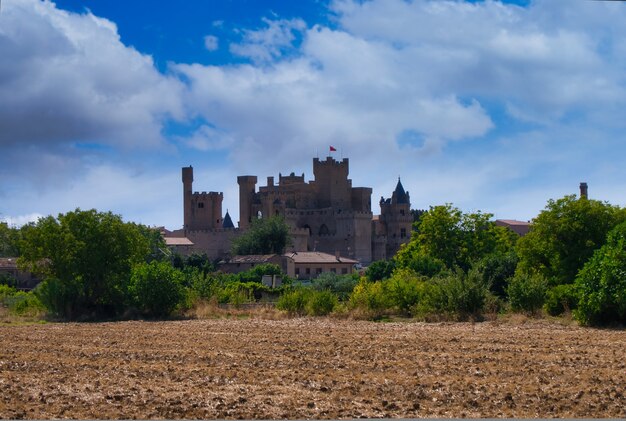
pixel 8 262
pixel 178 241
pixel 317 257
pixel 252 258
pixel 513 222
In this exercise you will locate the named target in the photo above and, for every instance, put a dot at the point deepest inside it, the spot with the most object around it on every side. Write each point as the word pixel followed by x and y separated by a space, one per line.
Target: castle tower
pixel 247 185
pixel 396 218
pixel 332 183
pixel 202 211
pixel 187 194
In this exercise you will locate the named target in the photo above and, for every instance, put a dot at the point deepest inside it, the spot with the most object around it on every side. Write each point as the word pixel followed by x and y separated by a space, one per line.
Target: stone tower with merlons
pixel 326 214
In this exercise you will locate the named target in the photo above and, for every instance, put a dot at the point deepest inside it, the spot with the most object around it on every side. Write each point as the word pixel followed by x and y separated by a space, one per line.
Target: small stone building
pixel 310 264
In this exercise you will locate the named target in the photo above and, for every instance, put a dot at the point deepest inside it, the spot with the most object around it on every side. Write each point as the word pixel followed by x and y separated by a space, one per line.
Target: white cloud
pixel 269 43
pixel 211 43
pixel 72 75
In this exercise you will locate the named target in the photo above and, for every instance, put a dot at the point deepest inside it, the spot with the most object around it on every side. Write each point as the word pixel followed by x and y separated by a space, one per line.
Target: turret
pixel 583 190
pixel 187 174
pixel 247 186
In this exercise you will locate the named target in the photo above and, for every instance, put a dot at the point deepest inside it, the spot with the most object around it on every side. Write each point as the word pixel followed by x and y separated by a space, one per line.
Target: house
pixel 179 245
pixel 310 264
pixel 19 278
pixel 521 228
pixel 238 264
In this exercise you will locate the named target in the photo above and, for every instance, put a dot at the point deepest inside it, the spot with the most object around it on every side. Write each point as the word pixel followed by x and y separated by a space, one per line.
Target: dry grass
pixel 204 310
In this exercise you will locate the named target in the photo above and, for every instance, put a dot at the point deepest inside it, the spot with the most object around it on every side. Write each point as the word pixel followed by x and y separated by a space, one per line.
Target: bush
pixel 157 288
pixel 403 290
pixel 369 298
pixel 602 283
pixel 62 299
pixel 25 304
pixel 8 280
pixel 496 270
pixel 6 291
pixel 321 303
pixel 459 294
pixel 341 285
pixel 561 299
pixel 527 293
pixel 380 270
pixel 294 302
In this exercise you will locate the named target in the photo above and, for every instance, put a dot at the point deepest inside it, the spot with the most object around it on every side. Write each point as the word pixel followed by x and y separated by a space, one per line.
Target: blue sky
pixel 489 105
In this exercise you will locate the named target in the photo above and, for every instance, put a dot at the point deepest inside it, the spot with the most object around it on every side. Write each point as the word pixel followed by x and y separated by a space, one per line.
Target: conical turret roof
pixel 401 196
pixel 228 222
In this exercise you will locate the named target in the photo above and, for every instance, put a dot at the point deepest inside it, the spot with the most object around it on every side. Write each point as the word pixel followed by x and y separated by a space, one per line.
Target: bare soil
pixel 310 368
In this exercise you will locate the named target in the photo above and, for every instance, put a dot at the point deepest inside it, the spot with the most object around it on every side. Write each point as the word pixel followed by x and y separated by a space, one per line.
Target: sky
pixel 493 106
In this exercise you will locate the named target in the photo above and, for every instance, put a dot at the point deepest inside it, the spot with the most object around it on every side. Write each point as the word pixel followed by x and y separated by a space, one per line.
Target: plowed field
pixel 310 368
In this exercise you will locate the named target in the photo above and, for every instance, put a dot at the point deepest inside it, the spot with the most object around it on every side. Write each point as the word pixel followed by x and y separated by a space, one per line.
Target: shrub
pixel 25 304
pixel 7 280
pixel 459 294
pixel 6 291
pixel 62 299
pixel 157 288
pixel 602 283
pixel 527 292
pixel 321 303
pixel 235 293
pixel 369 298
pixel 294 302
pixel 341 285
pixel 496 270
pixel 403 290
pixel 561 299
pixel 380 270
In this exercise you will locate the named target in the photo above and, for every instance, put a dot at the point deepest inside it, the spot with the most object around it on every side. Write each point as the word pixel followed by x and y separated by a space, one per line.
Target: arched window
pixel 324 230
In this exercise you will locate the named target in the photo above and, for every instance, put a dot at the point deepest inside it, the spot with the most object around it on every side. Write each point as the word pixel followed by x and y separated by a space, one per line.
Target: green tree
pixel 445 235
pixel 265 236
pixel 380 269
pixel 157 288
pixel 527 293
pixel 601 284
pixel 86 259
pixel 9 239
pixel 564 236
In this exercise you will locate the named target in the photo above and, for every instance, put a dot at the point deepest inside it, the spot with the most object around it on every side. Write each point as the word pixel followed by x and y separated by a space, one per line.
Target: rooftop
pixel 317 257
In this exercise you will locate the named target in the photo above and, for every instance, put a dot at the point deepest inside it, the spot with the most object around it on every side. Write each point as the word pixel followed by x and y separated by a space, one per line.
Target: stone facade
pixel 326 214
pixel 393 227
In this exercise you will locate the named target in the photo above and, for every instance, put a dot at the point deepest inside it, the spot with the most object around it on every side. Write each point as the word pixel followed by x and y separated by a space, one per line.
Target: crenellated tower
pixel 202 211
pixel 395 219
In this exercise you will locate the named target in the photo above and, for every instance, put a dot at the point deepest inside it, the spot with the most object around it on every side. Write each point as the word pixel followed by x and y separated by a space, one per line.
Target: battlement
pixel 210 231
pixel 292 178
pixel 209 195
pixel 330 161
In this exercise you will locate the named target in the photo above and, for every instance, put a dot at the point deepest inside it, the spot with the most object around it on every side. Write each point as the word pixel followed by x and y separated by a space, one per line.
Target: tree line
pixel 456 266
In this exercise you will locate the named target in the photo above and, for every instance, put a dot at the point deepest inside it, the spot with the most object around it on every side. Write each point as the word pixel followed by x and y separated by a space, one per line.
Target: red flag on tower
pixel 332 149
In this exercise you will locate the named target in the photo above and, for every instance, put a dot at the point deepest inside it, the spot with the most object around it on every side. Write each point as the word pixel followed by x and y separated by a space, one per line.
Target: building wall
pixel 326 214
pixel 202 211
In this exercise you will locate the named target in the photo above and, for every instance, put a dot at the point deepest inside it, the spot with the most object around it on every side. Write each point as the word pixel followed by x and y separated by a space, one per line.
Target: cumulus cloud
pixel 269 43
pixel 466 101
pixel 66 78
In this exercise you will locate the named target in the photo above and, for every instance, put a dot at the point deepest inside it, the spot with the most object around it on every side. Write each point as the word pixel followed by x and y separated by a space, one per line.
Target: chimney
pixel 270 181
pixel 583 190
pixel 337 256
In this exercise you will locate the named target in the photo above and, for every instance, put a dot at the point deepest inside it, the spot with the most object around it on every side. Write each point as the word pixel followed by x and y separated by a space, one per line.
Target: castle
pixel 326 214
